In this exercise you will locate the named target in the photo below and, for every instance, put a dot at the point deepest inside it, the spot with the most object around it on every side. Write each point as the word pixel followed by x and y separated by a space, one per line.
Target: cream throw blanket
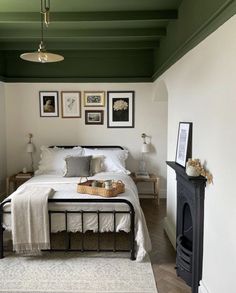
pixel 29 214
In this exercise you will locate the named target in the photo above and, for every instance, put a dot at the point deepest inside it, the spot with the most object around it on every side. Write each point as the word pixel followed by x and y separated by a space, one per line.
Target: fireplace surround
pixel 189 226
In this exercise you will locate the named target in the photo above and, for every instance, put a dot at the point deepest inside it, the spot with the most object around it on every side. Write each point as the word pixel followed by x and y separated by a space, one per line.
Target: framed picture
pixel 120 109
pixel 48 102
pixel 94 99
pixel 71 104
pixel 94 117
pixel 184 143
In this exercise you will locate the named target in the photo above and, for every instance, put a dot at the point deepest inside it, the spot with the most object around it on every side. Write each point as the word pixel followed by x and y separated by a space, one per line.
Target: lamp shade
pixel 30 148
pixel 41 57
pixel 145 148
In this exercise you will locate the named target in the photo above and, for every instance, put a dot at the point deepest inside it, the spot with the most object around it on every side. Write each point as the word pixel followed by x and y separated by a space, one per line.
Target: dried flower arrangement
pixel 197 167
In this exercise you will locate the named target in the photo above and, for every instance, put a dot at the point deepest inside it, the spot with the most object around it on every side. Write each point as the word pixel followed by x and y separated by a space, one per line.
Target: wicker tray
pixel 86 187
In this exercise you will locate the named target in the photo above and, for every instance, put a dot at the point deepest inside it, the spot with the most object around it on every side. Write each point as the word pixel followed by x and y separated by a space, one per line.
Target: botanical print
pixel 71 104
pixel 48 102
pixel 121 109
pixel 94 99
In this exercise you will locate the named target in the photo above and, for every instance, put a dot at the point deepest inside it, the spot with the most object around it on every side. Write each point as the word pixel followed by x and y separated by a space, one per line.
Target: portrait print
pixel 48 102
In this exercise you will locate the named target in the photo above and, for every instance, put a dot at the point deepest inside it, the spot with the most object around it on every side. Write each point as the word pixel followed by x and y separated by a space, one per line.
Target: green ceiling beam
pixel 77 34
pixel 137 45
pixel 24 17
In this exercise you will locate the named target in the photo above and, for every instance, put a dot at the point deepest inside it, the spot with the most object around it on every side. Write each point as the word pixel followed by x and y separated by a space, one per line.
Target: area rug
pixel 75 272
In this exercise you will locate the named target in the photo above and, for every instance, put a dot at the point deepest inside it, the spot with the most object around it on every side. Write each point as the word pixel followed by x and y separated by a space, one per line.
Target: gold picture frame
pixel 94 98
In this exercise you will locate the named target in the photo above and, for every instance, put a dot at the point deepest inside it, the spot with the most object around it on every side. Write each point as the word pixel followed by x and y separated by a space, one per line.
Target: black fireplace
pixel 189 226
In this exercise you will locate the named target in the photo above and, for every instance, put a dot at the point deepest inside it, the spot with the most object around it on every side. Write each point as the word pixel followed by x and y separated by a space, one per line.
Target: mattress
pixel 65 188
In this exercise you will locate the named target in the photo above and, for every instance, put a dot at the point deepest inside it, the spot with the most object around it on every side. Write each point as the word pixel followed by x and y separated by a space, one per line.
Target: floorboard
pixel 163 253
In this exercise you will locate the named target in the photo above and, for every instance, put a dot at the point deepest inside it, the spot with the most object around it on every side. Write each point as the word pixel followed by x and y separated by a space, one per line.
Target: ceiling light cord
pixel 45 10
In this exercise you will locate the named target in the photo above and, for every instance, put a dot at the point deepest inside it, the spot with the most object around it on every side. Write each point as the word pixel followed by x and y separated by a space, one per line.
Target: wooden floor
pixel 163 253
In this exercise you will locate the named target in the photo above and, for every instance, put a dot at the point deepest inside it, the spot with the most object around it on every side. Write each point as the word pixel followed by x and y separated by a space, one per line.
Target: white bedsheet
pixel 66 188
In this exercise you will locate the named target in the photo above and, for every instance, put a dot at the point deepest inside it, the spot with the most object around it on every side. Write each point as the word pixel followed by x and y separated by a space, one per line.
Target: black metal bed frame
pixel 82 213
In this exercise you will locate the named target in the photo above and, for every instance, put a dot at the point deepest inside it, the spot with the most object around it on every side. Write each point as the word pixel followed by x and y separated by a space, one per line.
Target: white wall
pixel 22 103
pixel 3 166
pixel 202 89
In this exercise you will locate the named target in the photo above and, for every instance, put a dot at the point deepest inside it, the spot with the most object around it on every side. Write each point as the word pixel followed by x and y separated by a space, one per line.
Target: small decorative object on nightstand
pixel 14 181
pixel 152 178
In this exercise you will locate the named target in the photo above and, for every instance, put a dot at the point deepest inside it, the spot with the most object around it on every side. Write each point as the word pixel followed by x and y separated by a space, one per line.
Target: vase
pixel 192 171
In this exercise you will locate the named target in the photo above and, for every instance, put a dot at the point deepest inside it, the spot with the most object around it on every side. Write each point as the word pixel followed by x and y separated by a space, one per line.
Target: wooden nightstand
pixel 152 179
pixel 13 182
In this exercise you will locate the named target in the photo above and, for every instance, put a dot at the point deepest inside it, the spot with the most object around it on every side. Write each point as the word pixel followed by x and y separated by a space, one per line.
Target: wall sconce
pixel 30 150
pixel 144 150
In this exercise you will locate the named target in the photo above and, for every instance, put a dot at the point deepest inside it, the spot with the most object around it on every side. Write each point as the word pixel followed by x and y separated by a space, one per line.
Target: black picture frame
pixel 184 143
pixel 94 117
pixel 48 104
pixel 125 116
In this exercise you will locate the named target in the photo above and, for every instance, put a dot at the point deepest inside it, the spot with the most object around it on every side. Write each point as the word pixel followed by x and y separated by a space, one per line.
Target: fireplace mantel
pixel 189 226
pixel 180 171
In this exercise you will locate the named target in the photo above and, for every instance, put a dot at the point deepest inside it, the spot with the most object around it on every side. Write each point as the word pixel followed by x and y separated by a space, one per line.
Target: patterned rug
pixel 75 272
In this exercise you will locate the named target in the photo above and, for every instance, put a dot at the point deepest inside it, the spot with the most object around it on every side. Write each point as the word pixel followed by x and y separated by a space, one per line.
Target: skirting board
pixel 203 288
pixel 170 231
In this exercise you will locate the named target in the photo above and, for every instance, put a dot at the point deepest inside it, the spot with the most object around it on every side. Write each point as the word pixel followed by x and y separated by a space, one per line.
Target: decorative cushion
pixel 78 166
pixel 53 159
pixel 96 165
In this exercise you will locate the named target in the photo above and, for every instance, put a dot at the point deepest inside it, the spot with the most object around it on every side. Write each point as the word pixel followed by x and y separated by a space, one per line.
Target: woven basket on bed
pixel 86 187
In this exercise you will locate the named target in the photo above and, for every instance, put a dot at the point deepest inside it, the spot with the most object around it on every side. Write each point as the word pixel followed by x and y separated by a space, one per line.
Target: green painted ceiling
pixel 105 40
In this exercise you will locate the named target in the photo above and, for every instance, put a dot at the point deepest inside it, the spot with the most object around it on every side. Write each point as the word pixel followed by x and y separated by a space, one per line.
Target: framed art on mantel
pixel 184 143
pixel 48 102
pixel 71 104
pixel 120 109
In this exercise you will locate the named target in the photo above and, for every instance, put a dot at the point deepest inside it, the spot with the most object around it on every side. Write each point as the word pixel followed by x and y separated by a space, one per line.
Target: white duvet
pixel 66 188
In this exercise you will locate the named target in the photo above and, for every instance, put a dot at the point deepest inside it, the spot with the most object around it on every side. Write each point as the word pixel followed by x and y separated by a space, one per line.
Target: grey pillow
pixel 78 166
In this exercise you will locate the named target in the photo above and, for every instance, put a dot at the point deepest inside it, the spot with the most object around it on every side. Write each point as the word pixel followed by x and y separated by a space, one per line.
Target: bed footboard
pixel 81 212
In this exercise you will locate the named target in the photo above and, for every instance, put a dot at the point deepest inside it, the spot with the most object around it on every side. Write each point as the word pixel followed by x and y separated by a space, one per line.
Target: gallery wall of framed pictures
pixel 119 106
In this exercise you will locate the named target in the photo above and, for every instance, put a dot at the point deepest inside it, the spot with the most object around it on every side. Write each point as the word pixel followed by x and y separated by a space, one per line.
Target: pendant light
pixel 42 56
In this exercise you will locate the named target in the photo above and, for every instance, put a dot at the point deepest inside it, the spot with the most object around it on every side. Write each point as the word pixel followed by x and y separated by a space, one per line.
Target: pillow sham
pixel 114 160
pixel 53 159
pixel 78 166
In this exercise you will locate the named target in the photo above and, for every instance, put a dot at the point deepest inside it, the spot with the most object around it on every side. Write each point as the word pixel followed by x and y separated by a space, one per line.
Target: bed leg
pixel 132 236
pixel 132 256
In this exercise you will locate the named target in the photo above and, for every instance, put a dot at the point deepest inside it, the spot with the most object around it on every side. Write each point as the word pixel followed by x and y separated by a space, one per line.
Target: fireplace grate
pixel 184 260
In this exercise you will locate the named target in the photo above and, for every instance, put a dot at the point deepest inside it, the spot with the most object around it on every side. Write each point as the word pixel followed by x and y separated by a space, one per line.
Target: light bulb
pixel 42 57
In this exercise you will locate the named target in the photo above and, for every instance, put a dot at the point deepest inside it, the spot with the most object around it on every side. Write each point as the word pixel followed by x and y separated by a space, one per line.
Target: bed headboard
pixel 90 146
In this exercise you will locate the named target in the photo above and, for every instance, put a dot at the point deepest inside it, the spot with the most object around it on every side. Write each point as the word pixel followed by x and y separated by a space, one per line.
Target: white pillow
pixel 114 159
pixel 53 159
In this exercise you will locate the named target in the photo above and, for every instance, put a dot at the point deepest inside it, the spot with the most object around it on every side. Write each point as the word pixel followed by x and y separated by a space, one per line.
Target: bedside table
pixel 153 179
pixel 14 181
